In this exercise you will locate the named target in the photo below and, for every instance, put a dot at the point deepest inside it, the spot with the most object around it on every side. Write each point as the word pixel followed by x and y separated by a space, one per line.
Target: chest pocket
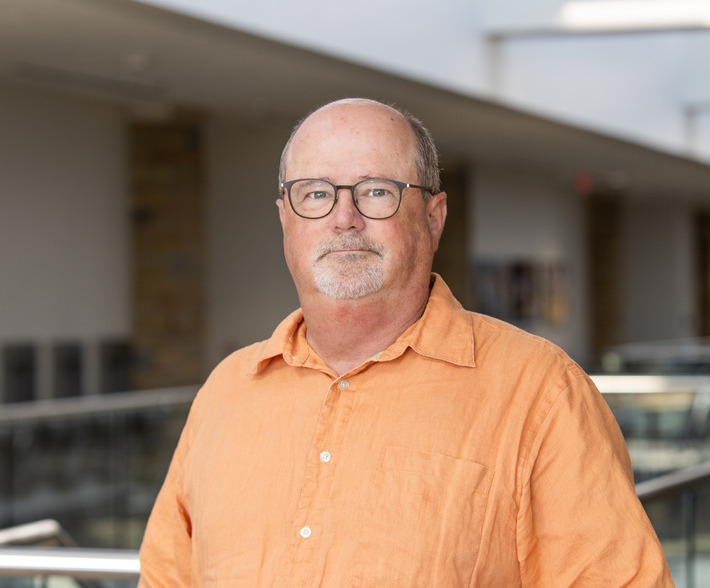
pixel 422 525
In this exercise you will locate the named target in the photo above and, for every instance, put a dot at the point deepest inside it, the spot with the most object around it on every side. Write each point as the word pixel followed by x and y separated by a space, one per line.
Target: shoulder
pixel 499 342
pixel 238 364
pixel 530 373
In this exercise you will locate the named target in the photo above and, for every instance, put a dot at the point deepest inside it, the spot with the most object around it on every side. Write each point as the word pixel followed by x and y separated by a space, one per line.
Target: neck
pixel 346 333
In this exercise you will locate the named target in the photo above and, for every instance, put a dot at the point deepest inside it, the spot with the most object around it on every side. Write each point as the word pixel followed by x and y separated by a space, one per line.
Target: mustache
pixel 349 242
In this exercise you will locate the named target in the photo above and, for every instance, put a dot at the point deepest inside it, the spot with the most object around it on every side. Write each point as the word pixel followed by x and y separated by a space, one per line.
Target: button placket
pixel 313 502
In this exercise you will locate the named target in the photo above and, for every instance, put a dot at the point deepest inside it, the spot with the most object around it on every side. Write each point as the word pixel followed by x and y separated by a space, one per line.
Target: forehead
pixel 353 138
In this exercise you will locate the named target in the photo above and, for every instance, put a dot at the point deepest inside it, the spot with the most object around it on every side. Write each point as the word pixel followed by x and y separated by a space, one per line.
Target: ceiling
pixel 151 60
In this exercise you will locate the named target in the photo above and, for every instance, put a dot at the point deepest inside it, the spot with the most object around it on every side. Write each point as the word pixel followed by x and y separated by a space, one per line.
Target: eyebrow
pixel 359 178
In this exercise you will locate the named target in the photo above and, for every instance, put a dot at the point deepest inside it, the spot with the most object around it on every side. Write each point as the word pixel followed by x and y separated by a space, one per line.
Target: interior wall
pixel 249 288
pixel 64 255
pixel 657 271
pixel 521 217
pixel 63 217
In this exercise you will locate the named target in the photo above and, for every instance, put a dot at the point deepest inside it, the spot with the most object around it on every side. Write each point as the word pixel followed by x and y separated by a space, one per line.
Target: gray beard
pixel 352 276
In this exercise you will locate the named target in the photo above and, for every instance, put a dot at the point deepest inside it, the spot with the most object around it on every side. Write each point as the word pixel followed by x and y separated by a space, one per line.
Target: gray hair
pixel 426 156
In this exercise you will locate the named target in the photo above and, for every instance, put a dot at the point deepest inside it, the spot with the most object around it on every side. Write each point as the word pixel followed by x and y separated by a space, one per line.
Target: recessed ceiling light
pixel 634 14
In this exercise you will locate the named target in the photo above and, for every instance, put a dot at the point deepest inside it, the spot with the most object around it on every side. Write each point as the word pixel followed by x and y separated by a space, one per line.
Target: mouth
pixel 358 248
pixel 346 254
pixel 351 251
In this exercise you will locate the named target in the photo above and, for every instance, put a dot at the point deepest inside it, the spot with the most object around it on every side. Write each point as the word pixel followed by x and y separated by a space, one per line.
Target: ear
pixel 436 217
pixel 282 212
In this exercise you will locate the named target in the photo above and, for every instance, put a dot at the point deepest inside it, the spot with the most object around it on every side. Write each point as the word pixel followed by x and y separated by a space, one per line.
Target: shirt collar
pixel 444 332
pixel 288 340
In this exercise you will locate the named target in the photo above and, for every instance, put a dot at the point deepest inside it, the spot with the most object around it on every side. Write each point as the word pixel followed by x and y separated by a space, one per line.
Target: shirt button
pixel 306 532
pixel 325 456
pixel 344 385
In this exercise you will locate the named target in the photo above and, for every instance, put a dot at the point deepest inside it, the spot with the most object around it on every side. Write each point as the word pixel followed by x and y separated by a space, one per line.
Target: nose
pixel 345 213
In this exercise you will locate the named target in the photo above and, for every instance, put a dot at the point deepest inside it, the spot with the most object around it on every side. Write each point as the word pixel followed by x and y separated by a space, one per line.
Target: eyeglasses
pixel 374 198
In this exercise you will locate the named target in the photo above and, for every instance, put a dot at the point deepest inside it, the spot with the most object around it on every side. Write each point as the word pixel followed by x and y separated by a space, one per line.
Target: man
pixel 384 436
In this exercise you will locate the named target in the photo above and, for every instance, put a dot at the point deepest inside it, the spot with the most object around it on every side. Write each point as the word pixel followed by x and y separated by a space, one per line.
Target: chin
pixel 349 282
pixel 341 288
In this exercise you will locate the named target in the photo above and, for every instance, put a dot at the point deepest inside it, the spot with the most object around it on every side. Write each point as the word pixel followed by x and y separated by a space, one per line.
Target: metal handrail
pixel 31 550
pixel 45 532
pixel 674 483
pixel 649 383
pixel 58 408
pixel 86 564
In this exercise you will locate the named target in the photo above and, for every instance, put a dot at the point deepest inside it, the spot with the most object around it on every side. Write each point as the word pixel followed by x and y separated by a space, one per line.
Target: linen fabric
pixel 468 453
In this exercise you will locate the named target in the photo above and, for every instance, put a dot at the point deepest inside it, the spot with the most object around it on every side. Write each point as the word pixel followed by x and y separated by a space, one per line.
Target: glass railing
pixel 666 424
pixel 94 463
pixel 678 505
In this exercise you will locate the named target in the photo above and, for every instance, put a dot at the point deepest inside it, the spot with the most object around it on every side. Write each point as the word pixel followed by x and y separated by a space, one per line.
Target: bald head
pixel 423 149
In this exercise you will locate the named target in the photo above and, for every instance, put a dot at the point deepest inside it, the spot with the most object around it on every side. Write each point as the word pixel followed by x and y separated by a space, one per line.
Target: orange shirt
pixel 468 453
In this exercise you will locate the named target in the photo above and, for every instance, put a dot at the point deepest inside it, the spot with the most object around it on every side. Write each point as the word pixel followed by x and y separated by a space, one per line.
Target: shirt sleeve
pixel 580 522
pixel 166 551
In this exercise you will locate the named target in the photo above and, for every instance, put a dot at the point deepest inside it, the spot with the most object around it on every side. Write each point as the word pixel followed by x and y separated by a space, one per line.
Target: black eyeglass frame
pixel 338 187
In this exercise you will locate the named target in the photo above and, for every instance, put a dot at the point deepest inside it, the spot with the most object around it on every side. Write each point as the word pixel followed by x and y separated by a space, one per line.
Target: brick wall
pixel 168 237
pixel 451 259
pixel 605 278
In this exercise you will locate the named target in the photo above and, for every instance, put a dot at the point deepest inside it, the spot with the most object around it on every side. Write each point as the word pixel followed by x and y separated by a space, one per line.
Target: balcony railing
pixel 94 463
pixel 103 459
pixel 91 564
pixel 21 560
pixel 666 424
pixel 104 564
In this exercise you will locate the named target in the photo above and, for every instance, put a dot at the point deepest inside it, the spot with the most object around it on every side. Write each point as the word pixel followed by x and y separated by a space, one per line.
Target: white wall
pixel 65 237
pixel 249 287
pixel 518 216
pixel 63 218
pixel 64 249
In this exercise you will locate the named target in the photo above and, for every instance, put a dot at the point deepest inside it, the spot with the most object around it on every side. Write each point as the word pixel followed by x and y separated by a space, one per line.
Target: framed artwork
pixel 522 291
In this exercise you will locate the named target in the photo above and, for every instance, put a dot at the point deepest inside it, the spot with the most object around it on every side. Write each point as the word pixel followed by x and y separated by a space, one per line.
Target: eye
pixel 378 192
pixel 317 195
pixel 309 192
